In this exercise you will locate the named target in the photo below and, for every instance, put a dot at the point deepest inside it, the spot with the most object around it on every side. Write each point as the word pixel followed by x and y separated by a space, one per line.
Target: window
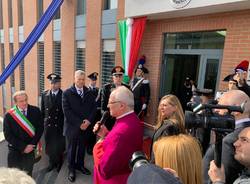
pixel 80 55
pixel 22 75
pixel 81 7
pixel 58 14
pixel 12 77
pixel 20 12
pixel 57 57
pixel 2 57
pixel 10 13
pixel 39 9
pixel 109 4
pixel 40 55
pixel 1 14
pixel 108 60
pixel 3 85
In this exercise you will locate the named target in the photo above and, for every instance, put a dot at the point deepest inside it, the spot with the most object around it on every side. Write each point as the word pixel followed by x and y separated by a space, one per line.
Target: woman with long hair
pixel 181 153
pixel 170 119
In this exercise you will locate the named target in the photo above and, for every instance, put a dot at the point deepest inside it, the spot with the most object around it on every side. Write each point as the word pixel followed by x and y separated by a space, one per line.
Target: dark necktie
pixel 80 92
pixel 23 112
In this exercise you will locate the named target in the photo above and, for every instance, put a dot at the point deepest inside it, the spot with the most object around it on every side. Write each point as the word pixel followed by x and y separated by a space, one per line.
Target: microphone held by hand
pixel 104 118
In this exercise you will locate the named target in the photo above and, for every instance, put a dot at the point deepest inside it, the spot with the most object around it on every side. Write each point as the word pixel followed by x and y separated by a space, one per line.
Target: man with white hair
pixel 23 128
pixel 79 108
pixel 14 176
pixel 111 166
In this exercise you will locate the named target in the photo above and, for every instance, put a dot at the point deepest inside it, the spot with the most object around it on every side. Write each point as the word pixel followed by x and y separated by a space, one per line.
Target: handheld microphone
pixel 104 118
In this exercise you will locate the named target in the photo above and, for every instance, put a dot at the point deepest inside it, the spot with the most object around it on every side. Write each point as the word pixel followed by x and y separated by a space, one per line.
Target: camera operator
pixel 144 172
pixel 232 167
pixel 242 148
pixel 203 134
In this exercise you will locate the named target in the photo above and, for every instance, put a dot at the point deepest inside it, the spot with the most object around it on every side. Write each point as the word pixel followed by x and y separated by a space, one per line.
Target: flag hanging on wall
pixel 130 32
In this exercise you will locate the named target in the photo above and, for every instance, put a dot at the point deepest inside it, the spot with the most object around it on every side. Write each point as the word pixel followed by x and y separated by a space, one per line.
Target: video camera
pixel 203 116
pixel 145 172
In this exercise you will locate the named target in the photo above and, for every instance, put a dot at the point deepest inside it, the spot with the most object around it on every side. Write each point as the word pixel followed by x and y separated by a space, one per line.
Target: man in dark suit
pixel 97 93
pixel 22 129
pixel 117 76
pixel 52 113
pixel 232 167
pixel 141 90
pixel 79 112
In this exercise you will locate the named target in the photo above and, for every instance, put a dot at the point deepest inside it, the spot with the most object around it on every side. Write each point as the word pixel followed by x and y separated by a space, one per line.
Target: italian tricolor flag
pixel 130 31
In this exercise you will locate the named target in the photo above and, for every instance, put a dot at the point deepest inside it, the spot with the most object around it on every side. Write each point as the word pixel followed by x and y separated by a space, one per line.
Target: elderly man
pixel 232 167
pixel 242 149
pixel 79 112
pixel 22 129
pixel 117 76
pixel 112 155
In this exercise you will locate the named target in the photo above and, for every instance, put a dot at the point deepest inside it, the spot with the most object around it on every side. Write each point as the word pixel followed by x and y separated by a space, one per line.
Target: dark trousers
pixel 21 161
pixel 55 145
pixel 76 151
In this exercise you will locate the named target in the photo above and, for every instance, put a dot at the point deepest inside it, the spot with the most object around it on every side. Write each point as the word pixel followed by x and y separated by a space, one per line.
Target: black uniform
pixel 91 136
pixel 76 109
pixel 106 91
pixel 141 90
pixel 18 139
pixel 52 113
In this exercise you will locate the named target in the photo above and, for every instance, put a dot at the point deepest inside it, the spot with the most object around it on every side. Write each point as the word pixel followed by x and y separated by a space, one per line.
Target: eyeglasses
pixel 113 102
pixel 244 140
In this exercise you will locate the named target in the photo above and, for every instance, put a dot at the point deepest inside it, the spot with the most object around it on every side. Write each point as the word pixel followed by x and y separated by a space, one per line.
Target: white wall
pixel 165 8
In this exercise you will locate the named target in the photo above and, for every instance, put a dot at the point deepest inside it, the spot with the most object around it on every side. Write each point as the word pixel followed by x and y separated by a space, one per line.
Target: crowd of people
pixel 107 122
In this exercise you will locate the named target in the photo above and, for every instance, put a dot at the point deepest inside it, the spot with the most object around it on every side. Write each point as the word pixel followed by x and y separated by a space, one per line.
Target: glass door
pixel 208 72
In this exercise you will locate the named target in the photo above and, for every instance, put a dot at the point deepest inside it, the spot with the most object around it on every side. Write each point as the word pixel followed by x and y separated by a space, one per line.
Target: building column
pixel 93 36
pixel 68 42
pixel 30 61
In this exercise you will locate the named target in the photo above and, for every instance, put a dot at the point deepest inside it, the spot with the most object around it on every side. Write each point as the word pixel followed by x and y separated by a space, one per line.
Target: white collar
pixel 125 114
pixel 78 89
pixel 241 120
pixel 55 92
pixel 22 109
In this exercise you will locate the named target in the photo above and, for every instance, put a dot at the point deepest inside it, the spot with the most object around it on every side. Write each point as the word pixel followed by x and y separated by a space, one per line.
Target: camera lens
pixel 138 159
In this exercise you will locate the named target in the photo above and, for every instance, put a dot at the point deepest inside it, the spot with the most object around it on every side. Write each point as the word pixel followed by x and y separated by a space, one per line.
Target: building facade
pixel 203 40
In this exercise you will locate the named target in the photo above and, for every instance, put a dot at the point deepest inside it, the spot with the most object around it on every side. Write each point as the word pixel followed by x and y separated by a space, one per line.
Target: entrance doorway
pixel 194 55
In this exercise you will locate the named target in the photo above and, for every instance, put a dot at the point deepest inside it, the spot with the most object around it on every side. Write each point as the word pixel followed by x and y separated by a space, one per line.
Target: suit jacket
pixel 76 109
pixel 17 138
pixel 51 109
pixel 124 139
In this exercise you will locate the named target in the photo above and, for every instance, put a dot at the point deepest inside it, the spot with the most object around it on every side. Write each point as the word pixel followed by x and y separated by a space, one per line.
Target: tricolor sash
pixel 26 125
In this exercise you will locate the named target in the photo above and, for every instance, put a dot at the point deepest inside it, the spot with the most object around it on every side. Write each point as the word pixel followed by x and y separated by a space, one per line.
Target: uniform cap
pixel 204 92
pixel 93 76
pixel 229 77
pixel 53 78
pixel 117 70
pixel 144 69
pixel 243 66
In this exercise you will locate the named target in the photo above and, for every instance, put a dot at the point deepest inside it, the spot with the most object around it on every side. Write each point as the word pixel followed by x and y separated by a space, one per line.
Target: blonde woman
pixel 181 153
pixel 170 119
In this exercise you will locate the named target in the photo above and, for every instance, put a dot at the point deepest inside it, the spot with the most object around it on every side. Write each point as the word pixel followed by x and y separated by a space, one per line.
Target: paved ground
pixel 53 177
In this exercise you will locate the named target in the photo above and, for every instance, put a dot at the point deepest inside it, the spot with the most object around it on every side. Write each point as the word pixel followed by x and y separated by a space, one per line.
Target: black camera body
pixel 145 172
pixel 203 116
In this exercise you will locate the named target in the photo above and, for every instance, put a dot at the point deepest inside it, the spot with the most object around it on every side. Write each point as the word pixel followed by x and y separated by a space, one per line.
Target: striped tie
pixel 80 92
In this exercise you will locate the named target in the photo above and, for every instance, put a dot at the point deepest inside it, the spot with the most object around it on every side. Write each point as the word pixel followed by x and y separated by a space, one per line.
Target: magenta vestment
pixel 113 154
